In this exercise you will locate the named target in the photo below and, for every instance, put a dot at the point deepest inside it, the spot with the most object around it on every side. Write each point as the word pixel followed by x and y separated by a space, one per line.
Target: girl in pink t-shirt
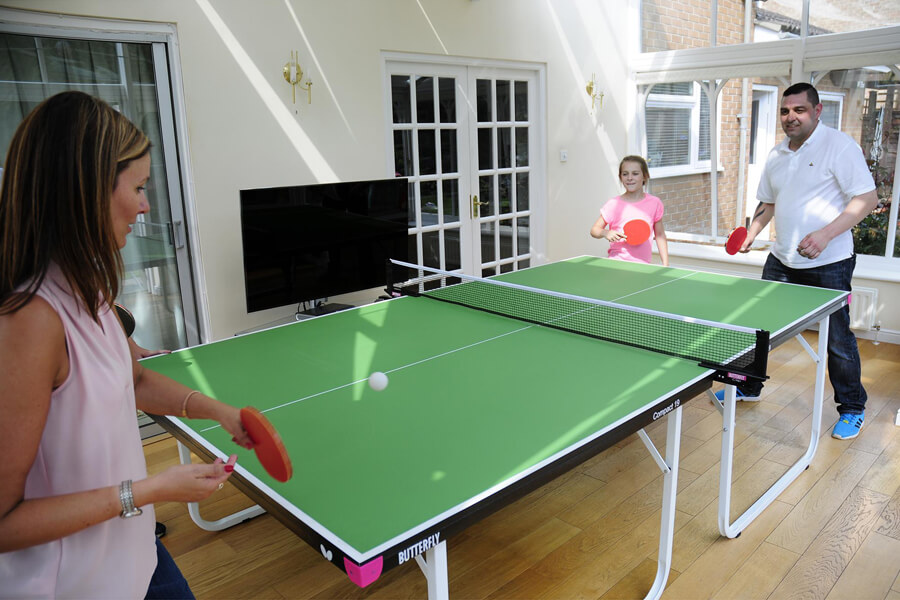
pixel 633 204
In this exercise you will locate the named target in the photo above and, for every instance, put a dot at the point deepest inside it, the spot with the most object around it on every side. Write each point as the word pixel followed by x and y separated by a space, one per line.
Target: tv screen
pixel 311 242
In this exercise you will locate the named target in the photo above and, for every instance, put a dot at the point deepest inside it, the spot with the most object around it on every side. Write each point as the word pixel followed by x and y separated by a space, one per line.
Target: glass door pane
pixel 503 126
pixel 869 101
pixel 426 148
pixel 123 74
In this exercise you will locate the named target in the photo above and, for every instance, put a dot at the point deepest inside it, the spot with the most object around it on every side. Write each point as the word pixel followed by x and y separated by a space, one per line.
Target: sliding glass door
pixel 133 78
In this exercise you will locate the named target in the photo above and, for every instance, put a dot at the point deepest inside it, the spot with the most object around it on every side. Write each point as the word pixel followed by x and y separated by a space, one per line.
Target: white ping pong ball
pixel 378 381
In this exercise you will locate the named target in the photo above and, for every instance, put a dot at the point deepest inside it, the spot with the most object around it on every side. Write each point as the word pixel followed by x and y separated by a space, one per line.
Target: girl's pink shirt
pixel 91 440
pixel 617 211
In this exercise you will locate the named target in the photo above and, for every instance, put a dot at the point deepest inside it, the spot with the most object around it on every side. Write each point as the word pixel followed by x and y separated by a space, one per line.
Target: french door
pixel 467 139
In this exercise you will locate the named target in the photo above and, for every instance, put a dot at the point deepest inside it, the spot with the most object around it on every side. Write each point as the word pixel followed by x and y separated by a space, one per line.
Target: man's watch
pixel 126 497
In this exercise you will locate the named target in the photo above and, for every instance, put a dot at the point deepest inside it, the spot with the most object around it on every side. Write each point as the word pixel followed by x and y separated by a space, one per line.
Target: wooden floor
pixel 592 533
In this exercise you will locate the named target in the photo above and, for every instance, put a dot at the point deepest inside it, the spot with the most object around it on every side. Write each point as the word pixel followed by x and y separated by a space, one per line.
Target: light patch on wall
pixel 319 70
pixel 430 24
pixel 308 152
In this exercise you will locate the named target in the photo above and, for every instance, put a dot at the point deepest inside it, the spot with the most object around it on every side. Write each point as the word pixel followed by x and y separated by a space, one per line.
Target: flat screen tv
pixel 310 242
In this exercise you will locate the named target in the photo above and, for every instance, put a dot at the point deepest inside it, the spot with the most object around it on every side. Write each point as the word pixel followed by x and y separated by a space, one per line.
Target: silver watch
pixel 127 499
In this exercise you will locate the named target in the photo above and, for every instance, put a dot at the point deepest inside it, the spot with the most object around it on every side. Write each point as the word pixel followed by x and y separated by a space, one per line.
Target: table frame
pixel 733 529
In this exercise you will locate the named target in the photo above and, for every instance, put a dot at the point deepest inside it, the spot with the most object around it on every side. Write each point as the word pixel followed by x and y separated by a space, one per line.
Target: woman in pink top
pixel 633 204
pixel 73 472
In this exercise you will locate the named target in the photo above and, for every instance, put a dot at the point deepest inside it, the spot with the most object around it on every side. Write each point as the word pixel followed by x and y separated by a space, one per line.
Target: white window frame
pixel 837 98
pixel 692 102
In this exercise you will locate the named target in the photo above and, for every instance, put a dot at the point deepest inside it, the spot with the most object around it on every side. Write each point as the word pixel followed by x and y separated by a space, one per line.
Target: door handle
pixel 476 204
pixel 178 234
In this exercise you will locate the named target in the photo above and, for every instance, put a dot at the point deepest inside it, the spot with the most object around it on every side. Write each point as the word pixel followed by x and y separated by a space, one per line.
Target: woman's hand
pixel 184 483
pixel 230 418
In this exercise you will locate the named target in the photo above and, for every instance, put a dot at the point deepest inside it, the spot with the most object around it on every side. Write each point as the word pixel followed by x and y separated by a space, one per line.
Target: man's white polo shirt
pixel 810 188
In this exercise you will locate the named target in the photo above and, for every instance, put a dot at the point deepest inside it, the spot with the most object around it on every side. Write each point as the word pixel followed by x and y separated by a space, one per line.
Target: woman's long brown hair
pixel 60 172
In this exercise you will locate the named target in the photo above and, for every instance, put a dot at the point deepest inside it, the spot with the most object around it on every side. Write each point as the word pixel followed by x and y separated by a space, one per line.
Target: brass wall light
pixel 293 74
pixel 595 95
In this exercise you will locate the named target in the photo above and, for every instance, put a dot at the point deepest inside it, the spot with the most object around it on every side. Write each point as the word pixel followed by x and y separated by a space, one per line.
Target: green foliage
pixel 870 235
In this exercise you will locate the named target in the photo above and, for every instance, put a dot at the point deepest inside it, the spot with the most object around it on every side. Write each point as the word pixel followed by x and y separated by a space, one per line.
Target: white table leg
pixel 667 520
pixel 726 527
pixel 434 566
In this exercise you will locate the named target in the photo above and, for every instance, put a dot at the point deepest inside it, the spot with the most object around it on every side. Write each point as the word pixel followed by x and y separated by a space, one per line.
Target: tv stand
pixel 325 309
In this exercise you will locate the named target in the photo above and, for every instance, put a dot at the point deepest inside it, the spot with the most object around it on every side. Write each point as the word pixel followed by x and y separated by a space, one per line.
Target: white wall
pixel 244 132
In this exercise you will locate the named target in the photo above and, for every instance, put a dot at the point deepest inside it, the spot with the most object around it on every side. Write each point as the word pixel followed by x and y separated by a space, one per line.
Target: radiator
pixel 862 308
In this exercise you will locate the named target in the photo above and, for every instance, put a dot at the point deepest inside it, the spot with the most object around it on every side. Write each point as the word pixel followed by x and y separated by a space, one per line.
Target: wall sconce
pixel 591 88
pixel 293 74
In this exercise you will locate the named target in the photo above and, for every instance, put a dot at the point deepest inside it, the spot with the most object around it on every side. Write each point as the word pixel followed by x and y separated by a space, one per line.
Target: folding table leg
pixel 667 519
pixel 434 566
pixel 726 527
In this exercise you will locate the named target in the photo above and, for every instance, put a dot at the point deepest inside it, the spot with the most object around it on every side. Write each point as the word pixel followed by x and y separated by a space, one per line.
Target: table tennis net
pixel 736 353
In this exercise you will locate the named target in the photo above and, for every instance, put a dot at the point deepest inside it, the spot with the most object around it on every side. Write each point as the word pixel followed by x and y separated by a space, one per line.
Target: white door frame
pixel 765 129
pixel 164 40
pixel 468 185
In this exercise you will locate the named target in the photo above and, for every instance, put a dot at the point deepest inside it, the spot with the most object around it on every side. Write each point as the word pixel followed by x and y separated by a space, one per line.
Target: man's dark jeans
pixel 843 353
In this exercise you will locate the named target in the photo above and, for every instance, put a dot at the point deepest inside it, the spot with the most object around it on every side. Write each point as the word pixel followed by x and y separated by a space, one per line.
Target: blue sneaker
pixel 848 426
pixel 720 396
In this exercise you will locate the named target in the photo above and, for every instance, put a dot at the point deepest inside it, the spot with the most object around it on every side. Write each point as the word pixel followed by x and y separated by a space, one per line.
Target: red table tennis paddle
pixel 269 448
pixel 736 240
pixel 636 232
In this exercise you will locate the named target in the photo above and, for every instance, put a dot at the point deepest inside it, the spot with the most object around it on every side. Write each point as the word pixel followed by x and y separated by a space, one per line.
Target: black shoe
pixel 160 529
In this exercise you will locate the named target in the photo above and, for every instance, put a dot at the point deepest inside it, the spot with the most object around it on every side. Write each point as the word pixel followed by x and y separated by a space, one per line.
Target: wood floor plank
pixel 884 475
pixel 828 452
pixel 817 508
pixel 706 487
pixel 718 563
pixel 634 585
pixel 889 521
pixel 823 561
pixel 759 574
pixel 865 575
pixel 506 565
pixel 600 570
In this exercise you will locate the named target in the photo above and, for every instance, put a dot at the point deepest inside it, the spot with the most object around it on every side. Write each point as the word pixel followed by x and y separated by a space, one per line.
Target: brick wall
pixel 670 25
pixel 677 26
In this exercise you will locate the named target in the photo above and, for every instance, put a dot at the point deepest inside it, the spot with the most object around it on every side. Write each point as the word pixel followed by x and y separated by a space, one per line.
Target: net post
pixel 389 278
pixel 761 355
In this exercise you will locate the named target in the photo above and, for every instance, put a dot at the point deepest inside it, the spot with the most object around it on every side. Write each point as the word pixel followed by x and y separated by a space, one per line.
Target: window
pixel 832 105
pixel 678 134
pixel 131 72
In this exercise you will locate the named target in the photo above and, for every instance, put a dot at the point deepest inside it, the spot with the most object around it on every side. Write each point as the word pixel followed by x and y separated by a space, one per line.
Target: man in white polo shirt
pixel 818 187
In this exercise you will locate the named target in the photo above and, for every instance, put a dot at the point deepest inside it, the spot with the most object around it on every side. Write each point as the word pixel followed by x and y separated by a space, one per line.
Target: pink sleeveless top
pixel 91 440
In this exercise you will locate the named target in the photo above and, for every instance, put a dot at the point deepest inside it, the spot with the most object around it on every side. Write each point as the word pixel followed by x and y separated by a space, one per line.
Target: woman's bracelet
pixel 126 498
pixel 184 404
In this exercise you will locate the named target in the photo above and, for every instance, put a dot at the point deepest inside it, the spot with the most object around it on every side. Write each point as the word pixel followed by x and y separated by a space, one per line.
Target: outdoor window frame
pixel 672 104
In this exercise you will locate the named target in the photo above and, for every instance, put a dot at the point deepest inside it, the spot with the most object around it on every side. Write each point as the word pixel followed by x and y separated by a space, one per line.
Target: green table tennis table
pixel 480 408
